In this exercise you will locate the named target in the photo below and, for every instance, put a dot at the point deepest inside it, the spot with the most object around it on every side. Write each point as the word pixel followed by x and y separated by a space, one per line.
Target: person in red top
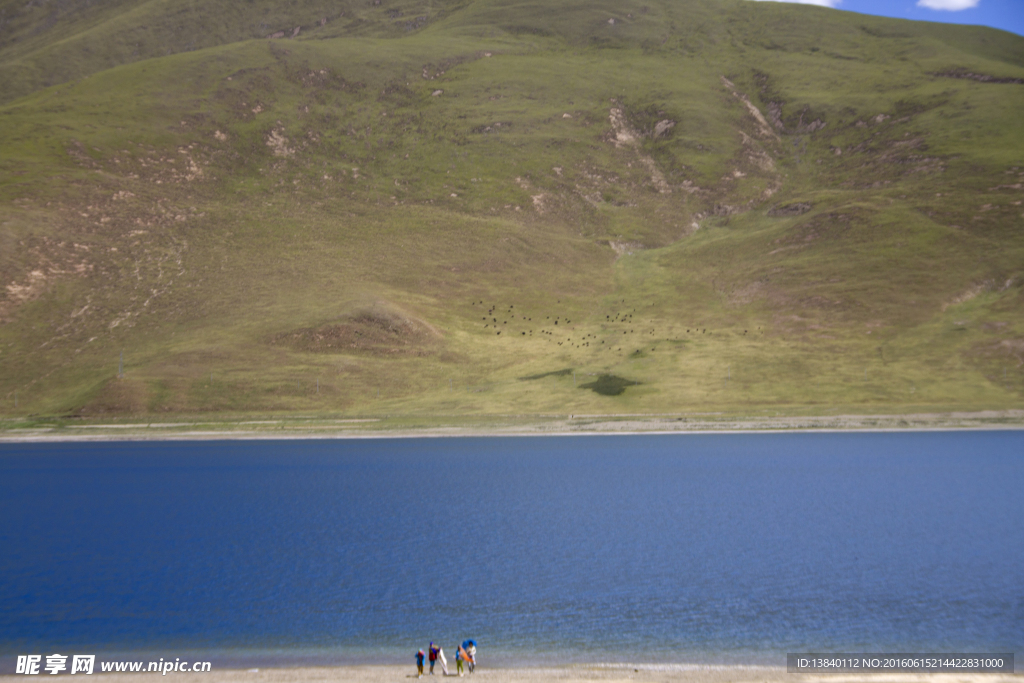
pixel 432 654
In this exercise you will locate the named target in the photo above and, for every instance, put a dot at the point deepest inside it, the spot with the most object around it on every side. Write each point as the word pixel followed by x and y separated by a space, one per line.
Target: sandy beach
pixel 568 674
pixel 198 429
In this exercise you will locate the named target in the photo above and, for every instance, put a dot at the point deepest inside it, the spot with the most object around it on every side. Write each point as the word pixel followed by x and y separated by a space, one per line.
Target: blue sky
pixel 1005 14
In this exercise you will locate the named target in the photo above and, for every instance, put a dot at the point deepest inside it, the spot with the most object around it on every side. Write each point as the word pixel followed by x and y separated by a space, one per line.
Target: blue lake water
pixel 693 548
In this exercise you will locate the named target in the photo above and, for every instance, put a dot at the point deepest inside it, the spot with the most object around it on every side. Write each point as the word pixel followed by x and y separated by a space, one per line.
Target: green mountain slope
pixel 43 43
pixel 497 207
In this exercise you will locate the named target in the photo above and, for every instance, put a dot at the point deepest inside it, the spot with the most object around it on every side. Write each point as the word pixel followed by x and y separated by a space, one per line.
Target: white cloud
pixel 948 5
pixel 824 3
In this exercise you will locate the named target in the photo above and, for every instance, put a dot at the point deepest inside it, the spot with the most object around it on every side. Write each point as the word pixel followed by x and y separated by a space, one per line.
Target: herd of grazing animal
pixel 515 324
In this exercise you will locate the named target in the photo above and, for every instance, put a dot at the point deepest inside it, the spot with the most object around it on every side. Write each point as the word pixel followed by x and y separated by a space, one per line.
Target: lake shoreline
pixel 406 427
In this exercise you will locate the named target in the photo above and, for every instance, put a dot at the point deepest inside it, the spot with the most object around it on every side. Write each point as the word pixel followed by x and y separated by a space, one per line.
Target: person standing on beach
pixel 458 660
pixel 469 653
pixel 432 654
pixel 419 663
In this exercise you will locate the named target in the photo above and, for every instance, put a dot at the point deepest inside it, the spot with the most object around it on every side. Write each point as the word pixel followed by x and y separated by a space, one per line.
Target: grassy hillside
pixel 46 42
pixel 491 207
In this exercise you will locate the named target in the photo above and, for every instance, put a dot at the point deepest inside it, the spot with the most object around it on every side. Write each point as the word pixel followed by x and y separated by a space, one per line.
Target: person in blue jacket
pixel 419 663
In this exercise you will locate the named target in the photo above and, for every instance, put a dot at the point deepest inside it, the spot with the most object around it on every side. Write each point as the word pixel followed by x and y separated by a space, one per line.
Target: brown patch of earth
pixel 378 333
